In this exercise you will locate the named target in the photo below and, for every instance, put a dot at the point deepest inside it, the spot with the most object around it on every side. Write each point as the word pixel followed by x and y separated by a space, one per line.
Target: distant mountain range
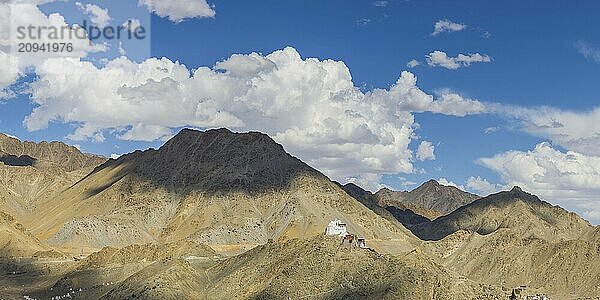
pixel 210 210
pixel 431 198
pixel 427 202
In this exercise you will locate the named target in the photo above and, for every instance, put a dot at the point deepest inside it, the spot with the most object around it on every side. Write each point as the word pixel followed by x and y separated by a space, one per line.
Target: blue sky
pixel 536 60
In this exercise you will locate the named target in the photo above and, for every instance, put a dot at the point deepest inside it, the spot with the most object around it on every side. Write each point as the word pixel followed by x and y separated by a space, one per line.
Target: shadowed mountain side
pixel 20 259
pixel 214 161
pixel 33 173
pixel 24 189
pixel 17 161
pixel 99 273
pixel 16 241
pixel 430 200
pixel 216 187
pixel 516 210
pixel 401 213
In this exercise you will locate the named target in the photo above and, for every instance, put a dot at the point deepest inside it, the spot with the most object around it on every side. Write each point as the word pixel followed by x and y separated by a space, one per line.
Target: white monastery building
pixel 336 227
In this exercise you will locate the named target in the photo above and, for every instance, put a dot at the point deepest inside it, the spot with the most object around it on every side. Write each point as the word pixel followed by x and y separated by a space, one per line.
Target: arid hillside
pixel 16 241
pixel 512 239
pixel 33 173
pixel 224 215
pixel 228 190
pixel 516 210
pixel 318 268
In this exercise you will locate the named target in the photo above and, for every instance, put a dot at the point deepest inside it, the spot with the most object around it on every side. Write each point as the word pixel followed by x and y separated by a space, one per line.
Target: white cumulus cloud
pixel 311 106
pixel 9 72
pixel 441 59
pixel 180 10
pixel 483 187
pixel 574 130
pixel 569 179
pixel 413 63
pixel 426 151
pixel 98 16
pixel 446 182
pixel 447 26
pixel 26 13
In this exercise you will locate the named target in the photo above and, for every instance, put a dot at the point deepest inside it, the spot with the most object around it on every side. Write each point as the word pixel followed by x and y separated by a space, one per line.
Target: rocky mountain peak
pixel 431 183
pixel 217 160
pixel 443 199
pixel 516 189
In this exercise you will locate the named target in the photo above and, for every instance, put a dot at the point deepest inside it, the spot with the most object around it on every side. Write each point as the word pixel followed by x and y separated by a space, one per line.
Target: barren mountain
pixel 516 210
pixel 420 205
pixel 55 155
pixel 231 191
pixel 32 173
pixel 430 200
pixel 512 239
pixel 210 210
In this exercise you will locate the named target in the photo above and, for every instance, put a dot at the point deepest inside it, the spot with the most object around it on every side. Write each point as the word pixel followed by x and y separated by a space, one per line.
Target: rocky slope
pixel 55 155
pixel 231 191
pixel 425 203
pixel 515 210
pixel 513 238
pixel 106 270
pixel 564 269
pixel 32 173
pixel 431 199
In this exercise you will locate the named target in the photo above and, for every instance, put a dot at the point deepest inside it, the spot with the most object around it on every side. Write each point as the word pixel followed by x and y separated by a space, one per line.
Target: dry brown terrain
pixel 220 215
pixel 513 238
pixel 217 188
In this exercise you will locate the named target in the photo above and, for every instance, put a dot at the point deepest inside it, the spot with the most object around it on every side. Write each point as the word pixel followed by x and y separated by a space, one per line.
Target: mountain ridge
pixel 202 211
pixel 491 213
pixel 431 199
pixel 215 187
pixel 32 173
pixel 47 154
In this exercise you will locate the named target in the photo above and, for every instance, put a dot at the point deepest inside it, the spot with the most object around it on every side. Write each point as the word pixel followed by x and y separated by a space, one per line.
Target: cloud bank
pixel 569 179
pixel 311 106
